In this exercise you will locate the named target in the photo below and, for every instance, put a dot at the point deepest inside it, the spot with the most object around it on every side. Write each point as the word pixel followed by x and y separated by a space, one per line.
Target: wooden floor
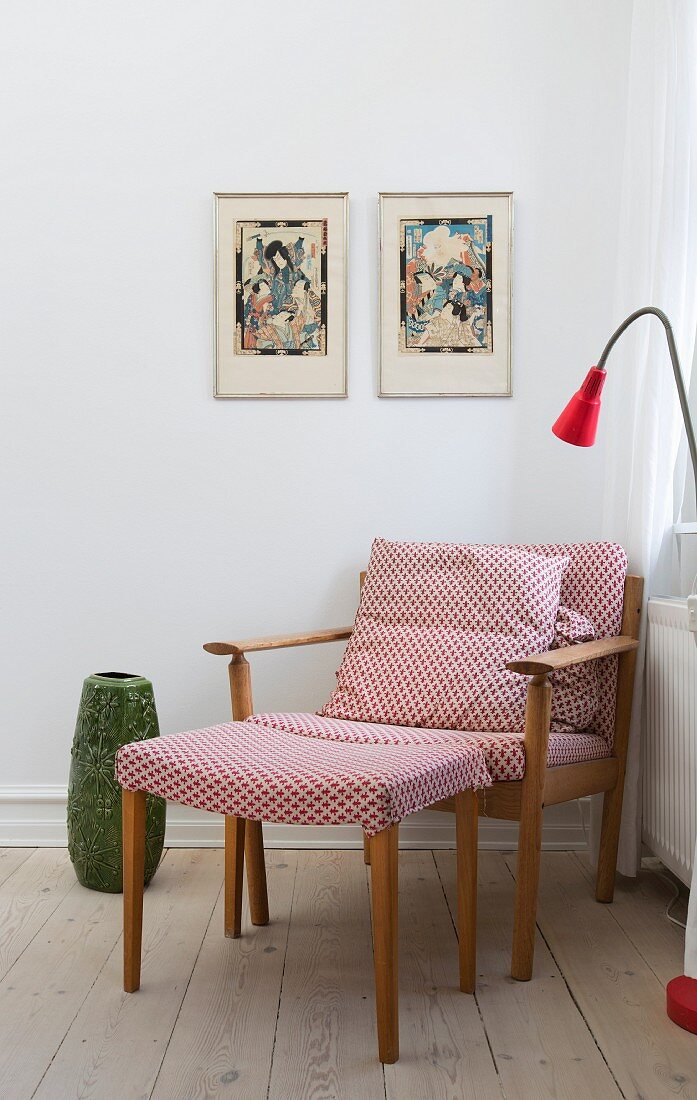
pixel 287 1012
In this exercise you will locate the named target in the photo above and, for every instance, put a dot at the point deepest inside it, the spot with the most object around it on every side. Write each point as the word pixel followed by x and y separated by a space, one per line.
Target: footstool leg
pixel 133 817
pixel 366 848
pixel 234 866
pixel 242 707
pixel 466 829
pixel 383 868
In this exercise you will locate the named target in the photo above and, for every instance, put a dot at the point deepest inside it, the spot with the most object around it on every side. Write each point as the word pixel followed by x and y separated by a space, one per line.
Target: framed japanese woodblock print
pixel 445 294
pixel 281 290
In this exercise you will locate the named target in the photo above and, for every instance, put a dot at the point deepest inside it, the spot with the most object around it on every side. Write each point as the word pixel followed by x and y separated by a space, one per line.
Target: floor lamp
pixel 578 424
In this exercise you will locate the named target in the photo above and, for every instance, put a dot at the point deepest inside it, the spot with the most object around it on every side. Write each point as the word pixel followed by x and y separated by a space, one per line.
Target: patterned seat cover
pixel 241 769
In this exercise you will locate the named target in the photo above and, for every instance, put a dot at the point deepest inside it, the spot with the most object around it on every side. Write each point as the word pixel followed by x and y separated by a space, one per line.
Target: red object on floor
pixel 681 1002
pixel 579 421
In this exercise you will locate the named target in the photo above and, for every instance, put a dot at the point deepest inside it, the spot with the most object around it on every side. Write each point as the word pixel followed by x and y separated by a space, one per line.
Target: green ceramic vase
pixel 115 708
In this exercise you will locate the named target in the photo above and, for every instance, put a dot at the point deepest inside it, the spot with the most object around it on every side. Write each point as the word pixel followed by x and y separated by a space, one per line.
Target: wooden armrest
pixel 539 664
pixel 279 641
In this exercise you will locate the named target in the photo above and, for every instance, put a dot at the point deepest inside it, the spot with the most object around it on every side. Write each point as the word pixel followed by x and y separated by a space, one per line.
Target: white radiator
pixel 670 750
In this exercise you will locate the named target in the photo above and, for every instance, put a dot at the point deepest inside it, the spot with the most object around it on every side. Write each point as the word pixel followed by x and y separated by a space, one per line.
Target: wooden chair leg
pixel 133 817
pixel 537 718
pixel 609 841
pixel 466 829
pixel 527 879
pixel 366 849
pixel 612 802
pixel 383 875
pixel 256 873
pixel 234 867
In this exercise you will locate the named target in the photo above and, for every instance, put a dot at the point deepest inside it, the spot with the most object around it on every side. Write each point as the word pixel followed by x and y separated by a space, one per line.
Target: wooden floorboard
pixel 28 896
pixel 43 992
pixel 616 990
pixel 288 1010
pixel 640 910
pixel 223 1038
pixel 11 859
pixel 114 1047
pixel 540 1042
pixel 444 1051
pixel 326 1041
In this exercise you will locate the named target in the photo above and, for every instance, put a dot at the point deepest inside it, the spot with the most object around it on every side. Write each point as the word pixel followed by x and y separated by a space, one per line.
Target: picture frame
pixel 281 294
pixel 445 294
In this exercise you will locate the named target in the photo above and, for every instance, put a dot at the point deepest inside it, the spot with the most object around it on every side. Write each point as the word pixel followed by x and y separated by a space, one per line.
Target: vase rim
pixel 119 676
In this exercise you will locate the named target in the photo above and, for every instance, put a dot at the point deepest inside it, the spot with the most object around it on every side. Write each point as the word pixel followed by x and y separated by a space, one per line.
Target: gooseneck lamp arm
pixel 578 422
pixel 674 358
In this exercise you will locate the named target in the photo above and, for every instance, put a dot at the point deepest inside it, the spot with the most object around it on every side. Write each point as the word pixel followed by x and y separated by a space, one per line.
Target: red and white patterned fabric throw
pixel 576 695
pixel 571 628
pixel 503 752
pixel 243 770
pixel 593 585
pixel 436 625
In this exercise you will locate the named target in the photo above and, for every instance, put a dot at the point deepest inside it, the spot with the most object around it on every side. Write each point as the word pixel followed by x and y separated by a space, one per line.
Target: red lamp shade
pixel 579 421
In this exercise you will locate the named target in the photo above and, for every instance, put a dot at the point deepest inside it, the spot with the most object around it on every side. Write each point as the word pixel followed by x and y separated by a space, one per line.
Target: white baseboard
pixel 34 817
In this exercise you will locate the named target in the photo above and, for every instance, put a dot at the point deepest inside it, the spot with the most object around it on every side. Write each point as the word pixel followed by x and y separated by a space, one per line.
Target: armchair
pixel 546 767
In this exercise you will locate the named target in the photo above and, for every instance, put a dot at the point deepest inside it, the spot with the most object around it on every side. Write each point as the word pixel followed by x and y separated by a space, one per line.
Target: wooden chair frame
pixel 523 800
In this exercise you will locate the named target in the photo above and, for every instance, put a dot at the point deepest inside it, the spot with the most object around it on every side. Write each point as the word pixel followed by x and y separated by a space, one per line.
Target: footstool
pixel 249 773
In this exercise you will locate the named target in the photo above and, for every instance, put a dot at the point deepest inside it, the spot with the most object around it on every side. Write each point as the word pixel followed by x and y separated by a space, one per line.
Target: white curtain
pixel 656 265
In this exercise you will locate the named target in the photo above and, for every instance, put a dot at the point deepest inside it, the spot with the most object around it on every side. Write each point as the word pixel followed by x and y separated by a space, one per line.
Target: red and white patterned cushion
pixel 436 625
pixel 504 752
pixel 575 697
pixel 238 769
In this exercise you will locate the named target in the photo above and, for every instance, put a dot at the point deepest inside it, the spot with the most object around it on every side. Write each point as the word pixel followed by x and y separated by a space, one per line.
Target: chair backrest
pixel 593 584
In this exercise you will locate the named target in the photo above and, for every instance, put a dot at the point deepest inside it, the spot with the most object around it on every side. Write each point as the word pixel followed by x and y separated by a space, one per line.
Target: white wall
pixel 142 517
